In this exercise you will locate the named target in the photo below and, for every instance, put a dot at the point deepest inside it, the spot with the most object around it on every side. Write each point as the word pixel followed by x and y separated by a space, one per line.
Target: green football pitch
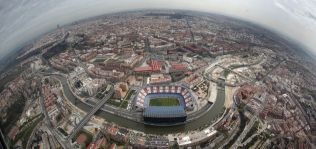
pixel 164 102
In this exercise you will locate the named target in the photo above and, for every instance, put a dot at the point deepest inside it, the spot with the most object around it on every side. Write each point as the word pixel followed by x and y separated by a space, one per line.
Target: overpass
pixel 133 120
pixel 232 71
pixel 85 119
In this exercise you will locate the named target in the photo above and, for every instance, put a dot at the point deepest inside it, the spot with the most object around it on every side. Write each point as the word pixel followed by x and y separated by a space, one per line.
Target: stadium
pixel 164 105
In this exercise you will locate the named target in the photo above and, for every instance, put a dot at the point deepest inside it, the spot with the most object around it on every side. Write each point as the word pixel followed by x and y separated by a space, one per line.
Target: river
pixel 201 122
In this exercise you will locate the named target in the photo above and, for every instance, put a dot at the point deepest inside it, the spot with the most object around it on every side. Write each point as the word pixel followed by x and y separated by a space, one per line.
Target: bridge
pixel 90 114
pixel 232 71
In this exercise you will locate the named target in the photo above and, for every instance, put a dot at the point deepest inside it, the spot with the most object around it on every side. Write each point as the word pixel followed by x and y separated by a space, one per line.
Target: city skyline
pixel 24 21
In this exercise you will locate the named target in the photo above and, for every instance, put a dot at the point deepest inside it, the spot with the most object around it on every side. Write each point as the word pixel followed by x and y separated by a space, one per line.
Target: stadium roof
pixel 164 112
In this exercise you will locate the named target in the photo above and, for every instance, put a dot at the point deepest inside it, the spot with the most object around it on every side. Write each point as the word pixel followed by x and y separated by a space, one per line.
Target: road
pixel 232 71
pixel 247 128
pixel 3 142
pixel 64 143
pixel 29 141
pixel 90 114
pixel 271 70
pixel 207 72
pixel 132 119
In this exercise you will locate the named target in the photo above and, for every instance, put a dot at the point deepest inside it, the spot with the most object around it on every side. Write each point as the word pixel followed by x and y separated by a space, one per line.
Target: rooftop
pixel 164 112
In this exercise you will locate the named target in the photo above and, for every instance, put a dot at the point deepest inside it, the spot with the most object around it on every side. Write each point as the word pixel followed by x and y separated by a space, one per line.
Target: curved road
pixel 110 116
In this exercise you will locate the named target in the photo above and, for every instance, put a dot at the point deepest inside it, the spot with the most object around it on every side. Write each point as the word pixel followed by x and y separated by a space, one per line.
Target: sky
pixel 23 20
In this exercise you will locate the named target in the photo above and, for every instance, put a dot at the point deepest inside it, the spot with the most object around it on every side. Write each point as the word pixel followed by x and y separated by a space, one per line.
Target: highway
pixel 133 120
pixel 132 115
pixel 90 114
pixel 232 71
pixel 247 128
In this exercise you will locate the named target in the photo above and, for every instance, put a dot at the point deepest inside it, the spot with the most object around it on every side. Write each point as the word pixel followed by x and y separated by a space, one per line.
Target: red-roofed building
pixel 154 66
pixel 97 144
pixel 113 131
pixel 159 78
pixel 189 73
pixel 178 67
pixel 113 146
pixel 143 69
pixel 81 139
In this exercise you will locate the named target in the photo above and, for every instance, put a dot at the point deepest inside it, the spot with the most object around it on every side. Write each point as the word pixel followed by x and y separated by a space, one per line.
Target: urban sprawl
pixel 159 79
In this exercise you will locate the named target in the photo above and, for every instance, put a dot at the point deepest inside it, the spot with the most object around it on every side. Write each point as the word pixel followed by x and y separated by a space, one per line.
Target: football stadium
pixel 164 105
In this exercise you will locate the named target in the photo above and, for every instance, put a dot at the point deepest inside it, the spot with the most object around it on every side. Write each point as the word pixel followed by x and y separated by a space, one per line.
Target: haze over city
pixel 175 74
pixel 22 21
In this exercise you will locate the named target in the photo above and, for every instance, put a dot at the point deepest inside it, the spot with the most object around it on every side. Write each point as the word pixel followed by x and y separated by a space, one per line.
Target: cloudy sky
pixel 23 20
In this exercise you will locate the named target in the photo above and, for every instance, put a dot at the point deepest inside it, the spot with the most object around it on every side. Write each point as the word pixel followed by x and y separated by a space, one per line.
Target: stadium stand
pixel 164 114
pixel 151 92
